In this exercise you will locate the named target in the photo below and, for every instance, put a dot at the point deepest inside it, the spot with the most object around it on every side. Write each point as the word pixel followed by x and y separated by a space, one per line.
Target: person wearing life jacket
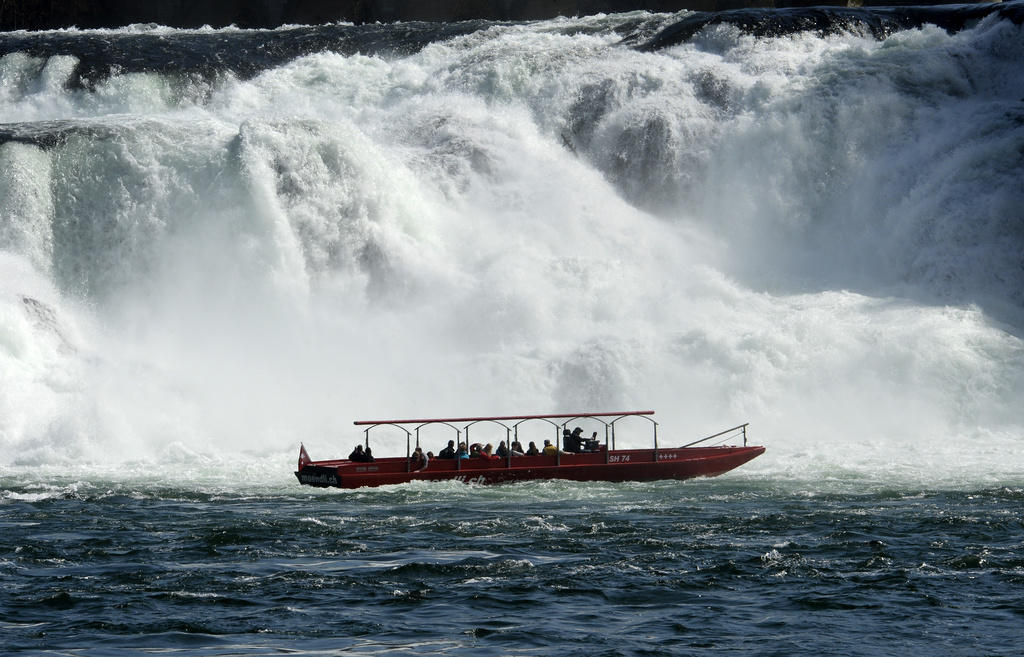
pixel 549 449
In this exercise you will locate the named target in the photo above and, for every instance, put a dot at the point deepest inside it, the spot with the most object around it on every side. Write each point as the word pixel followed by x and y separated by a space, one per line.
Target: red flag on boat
pixel 304 459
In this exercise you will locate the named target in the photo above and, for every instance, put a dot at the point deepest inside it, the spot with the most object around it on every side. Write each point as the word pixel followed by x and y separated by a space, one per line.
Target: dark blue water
pixel 726 566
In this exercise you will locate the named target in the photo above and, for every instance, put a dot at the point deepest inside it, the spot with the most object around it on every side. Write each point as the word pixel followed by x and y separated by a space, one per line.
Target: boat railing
pixel 728 434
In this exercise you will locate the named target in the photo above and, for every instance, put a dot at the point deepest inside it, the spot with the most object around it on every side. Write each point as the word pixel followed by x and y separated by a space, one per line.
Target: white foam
pixel 739 236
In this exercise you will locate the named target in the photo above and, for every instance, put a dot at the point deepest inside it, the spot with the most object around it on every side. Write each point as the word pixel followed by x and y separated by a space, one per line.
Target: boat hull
pixel 617 465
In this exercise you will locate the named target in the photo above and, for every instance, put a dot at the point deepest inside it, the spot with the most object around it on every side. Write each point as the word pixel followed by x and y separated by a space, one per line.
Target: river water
pixel 739 564
pixel 218 244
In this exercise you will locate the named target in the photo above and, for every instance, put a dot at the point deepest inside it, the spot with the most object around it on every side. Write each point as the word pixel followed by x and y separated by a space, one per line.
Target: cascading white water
pixel 818 235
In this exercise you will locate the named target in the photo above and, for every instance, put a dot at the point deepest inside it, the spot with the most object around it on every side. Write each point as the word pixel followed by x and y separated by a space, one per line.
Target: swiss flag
pixel 304 459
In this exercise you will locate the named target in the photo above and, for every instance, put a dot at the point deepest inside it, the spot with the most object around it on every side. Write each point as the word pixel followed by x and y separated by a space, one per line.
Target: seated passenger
pixel 448 452
pixel 517 448
pixel 419 460
pixel 549 449
pixel 357 454
pixel 532 451
pixel 571 441
pixel 368 454
pixel 577 439
pixel 474 449
pixel 486 454
pixel 502 451
pixel 462 453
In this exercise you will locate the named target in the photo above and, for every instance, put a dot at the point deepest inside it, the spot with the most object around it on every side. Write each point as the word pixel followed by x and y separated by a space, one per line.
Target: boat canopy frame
pixel 511 428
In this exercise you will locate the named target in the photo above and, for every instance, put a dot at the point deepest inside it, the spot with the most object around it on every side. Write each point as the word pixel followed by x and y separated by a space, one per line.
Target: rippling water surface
pixel 733 565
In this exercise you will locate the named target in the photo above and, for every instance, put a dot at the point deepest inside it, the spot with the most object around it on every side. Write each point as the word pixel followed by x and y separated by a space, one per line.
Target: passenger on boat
pixel 462 453
pixel 549 449
pixel 502 451
pixel 474 449
pixel 517 448
pixel 448 452
pixel 532 451
pixel 368 454
pixel 357 454
pixel 419 460
pixel 485 453
pixel 571 442
pixel 577 436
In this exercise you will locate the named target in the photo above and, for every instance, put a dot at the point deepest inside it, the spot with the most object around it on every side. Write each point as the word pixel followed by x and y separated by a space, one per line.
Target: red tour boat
pixel 596 460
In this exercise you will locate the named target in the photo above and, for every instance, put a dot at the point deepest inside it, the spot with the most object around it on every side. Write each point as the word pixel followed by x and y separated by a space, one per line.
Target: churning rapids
pixel 217 243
